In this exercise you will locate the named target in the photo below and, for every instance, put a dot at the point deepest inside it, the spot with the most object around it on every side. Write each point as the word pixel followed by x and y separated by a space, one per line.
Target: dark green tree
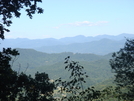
pixel 7 75
pixel 16 86
pixel 122 65
pixel 35 89
pixel 21 87
pixel 12 8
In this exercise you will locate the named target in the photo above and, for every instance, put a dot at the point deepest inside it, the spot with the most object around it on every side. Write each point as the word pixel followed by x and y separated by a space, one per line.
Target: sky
pixel 69 18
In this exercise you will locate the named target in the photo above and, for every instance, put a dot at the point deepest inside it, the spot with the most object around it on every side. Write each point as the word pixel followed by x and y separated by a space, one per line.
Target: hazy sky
pixel 67 18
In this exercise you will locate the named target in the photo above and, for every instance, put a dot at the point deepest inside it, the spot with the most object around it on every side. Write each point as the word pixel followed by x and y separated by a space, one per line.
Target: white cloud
pixel 87 23
pixel 83 23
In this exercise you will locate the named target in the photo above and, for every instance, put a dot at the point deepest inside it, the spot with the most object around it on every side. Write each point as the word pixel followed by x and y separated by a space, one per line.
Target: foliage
pixel 34 89
pixel 11 8
pixel 123 65
pixel 73 89
pixel 7 75
pixel 15 86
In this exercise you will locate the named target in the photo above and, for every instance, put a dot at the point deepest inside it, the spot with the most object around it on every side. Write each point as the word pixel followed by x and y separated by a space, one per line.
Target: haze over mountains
pixel 91 52
pixel 101 44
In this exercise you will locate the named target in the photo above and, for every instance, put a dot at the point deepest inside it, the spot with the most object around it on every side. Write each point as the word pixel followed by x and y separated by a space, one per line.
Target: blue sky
pixel 67 18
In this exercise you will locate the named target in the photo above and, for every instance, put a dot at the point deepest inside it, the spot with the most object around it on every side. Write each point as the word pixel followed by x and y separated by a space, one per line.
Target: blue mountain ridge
pixel 101 44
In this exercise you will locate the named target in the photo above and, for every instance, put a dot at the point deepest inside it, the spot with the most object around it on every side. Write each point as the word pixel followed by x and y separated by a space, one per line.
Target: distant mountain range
pixel 101 44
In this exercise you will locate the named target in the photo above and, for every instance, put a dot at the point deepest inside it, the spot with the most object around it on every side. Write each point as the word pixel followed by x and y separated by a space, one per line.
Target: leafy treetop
pixel 123 64
pixel 11 8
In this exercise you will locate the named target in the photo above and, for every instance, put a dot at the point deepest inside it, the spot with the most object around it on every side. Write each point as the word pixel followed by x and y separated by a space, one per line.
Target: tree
pixel 73 89
pixel 21 87
pixel 35 89
pixel 12 8
pixel 7 75
pixel 15 86
pixel 122 65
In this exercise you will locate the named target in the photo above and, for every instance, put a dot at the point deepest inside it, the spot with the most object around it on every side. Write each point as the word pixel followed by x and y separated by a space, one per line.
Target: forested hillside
pixel 30 61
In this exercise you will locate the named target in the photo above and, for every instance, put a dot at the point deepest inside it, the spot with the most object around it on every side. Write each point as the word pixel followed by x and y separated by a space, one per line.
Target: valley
pixel 47 55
